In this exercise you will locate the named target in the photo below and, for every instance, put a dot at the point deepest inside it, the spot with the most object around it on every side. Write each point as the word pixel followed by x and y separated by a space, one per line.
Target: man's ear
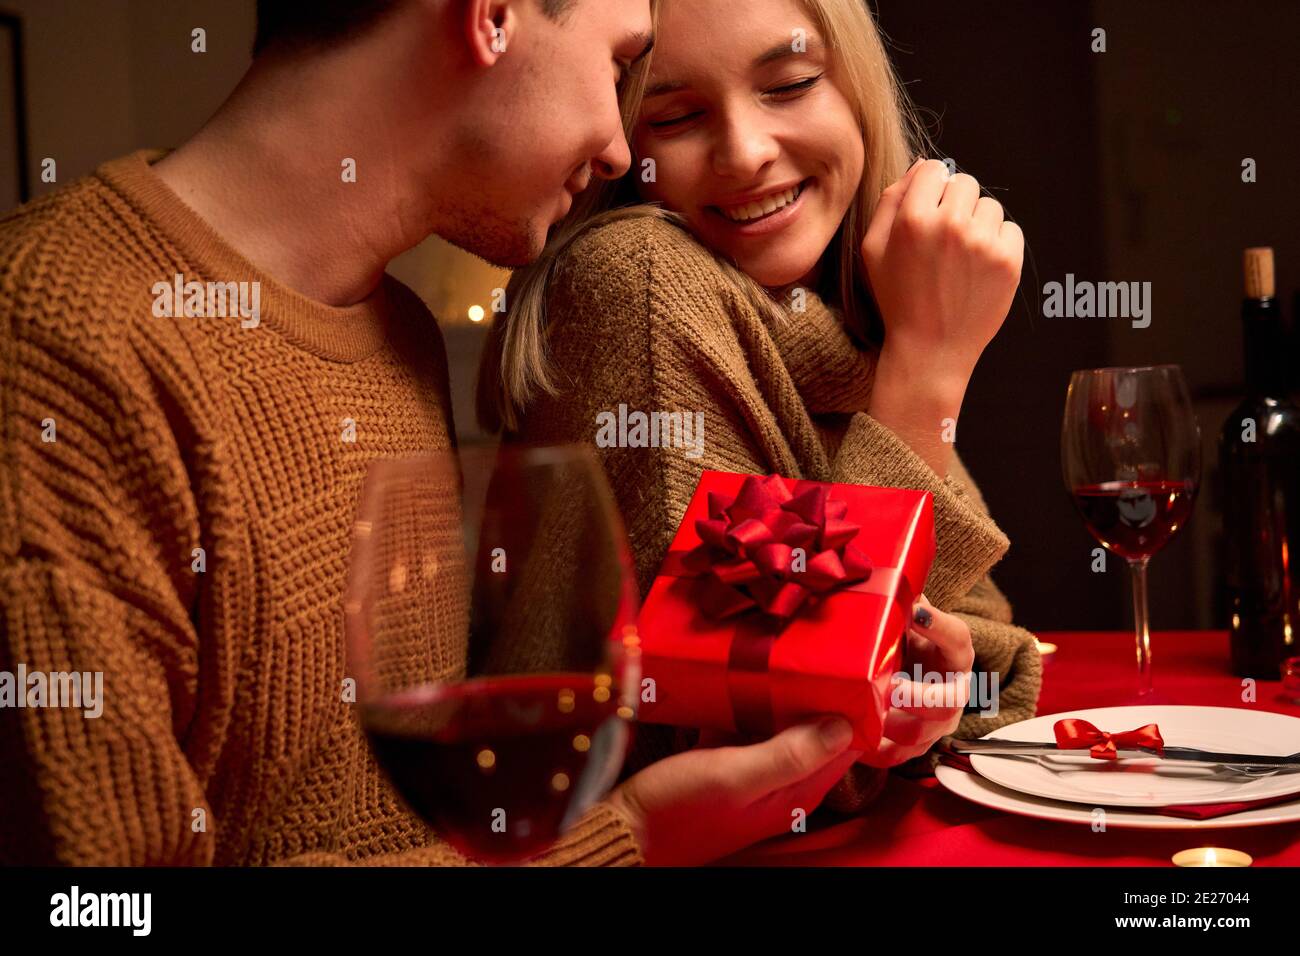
pixel 490 28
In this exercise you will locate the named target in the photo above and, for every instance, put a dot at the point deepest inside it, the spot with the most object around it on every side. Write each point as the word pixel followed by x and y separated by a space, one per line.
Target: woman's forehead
pixel 684 57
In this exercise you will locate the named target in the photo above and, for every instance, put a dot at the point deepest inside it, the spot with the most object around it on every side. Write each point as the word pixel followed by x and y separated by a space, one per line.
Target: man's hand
pixel 697 806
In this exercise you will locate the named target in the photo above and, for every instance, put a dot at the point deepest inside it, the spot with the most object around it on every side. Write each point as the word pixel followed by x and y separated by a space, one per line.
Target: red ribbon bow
pixel 1074 734
pixel 746 558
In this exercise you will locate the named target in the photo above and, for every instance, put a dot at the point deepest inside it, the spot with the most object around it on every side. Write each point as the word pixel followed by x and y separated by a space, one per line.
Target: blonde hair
pixel 515 367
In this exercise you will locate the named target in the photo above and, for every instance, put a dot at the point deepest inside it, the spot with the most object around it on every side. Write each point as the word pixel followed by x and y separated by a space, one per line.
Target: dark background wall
pixel 1120 166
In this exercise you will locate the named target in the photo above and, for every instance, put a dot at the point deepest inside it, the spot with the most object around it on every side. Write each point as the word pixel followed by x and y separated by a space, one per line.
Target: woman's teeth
pixel 761 207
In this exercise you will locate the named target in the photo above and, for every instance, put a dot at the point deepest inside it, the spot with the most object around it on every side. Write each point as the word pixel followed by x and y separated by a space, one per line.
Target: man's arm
pixel 98 525
pixel 95 538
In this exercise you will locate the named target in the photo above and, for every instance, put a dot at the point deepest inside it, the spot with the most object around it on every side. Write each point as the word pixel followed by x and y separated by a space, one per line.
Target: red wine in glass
pixel 1135 519
pixel 490 619
pixel 500 766
pixel 1131 457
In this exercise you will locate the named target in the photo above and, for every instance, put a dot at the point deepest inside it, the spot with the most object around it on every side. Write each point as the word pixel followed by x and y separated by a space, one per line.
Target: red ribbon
pixel 1074 734
pixel 746 553
pixel 744 564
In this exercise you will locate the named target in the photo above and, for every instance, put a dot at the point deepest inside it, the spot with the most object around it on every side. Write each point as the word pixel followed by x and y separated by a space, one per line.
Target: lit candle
pixel 1291 678
pixel 1044 648
pixel 1212 856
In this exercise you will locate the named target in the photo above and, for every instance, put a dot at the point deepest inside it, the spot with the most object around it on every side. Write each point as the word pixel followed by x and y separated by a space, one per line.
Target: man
pixel 201 355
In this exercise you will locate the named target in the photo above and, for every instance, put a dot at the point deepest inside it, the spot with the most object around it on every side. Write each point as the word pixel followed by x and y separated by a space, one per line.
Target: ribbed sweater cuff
pixel 969 543
pixel 1011 652
pixel 856 790
pixel 602 837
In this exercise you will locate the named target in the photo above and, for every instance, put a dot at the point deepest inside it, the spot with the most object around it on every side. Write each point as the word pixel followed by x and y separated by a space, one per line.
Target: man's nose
pixel 614 160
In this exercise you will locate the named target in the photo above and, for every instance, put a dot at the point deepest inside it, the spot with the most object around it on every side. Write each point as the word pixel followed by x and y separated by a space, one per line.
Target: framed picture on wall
pixel 14 185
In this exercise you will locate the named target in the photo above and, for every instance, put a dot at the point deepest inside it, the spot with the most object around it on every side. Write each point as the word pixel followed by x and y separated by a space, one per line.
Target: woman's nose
pixel 743 148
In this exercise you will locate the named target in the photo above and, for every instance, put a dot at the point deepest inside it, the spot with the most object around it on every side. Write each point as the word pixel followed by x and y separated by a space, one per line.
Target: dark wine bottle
pixel 1260 459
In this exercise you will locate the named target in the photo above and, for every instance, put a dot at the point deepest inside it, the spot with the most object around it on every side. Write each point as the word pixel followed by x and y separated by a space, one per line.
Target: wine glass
pixel 490 625
pixel 1131 456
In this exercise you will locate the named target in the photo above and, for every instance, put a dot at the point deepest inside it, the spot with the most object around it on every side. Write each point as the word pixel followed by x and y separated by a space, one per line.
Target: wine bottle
pixel 1260 460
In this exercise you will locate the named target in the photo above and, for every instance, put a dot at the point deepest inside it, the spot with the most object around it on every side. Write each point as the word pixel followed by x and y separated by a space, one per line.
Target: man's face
pixel 553 125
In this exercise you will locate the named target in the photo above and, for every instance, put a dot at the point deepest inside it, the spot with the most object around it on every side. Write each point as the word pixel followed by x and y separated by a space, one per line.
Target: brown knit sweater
pixel 224 737
pixel 640 314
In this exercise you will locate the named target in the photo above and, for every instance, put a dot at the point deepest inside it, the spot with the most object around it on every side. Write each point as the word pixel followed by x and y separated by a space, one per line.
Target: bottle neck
pixel 1265 348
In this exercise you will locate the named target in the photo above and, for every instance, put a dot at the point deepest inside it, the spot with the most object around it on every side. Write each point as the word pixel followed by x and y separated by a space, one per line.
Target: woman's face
pixel 753 141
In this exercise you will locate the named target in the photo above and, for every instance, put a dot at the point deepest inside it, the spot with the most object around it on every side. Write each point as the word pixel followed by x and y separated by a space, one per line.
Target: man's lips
pixel 579 180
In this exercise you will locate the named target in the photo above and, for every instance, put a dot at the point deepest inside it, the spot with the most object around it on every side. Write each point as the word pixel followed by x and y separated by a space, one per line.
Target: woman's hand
pixel 943 266
pixel 941 644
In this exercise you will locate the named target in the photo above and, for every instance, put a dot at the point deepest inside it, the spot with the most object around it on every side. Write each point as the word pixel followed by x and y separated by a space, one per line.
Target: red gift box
pixel 783 600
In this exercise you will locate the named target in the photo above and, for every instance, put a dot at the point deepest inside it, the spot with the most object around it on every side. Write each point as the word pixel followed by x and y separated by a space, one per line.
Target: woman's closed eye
pixel 787 91
pixel 791 90
pixel 672 121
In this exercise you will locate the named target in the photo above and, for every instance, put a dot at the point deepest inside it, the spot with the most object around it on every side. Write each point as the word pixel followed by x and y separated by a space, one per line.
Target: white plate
pixel 978 790
pixel 1150 782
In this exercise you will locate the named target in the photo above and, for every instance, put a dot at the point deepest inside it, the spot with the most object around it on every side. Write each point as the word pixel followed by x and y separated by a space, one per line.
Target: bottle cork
pixel 1258 263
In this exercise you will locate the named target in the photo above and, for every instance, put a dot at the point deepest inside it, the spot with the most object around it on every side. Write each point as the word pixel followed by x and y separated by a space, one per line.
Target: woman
pixel 821 304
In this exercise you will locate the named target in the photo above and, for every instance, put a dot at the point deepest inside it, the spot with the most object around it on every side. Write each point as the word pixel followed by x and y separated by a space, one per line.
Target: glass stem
pixel 1140 624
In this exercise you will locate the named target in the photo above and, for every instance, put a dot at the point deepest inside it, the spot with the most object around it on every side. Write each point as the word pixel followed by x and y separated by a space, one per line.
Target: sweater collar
pixel 346 334
pixel 831 373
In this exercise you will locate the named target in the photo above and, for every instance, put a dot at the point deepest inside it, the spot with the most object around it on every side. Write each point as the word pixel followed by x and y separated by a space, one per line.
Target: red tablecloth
pixel 919 823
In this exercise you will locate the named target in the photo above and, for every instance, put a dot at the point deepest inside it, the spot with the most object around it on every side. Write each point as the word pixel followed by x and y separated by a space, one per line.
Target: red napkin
pixel 1187 811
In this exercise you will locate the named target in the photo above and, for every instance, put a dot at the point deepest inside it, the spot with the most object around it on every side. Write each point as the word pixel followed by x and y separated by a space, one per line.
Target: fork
pixel 1251 765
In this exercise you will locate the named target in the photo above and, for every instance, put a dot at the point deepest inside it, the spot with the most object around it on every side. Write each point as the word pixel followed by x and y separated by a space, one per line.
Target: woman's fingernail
pixel 919 161
pixel 922 616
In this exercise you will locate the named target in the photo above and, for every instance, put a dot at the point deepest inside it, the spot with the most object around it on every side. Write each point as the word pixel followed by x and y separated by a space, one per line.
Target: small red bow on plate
pixel 1074 734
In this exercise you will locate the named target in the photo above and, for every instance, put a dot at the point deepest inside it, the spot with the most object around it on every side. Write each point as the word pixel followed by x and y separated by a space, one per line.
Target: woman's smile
pixel 768 212
pixel 755 140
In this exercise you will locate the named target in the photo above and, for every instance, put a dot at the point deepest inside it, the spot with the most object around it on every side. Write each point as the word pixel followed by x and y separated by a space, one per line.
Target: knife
pixel 992 746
